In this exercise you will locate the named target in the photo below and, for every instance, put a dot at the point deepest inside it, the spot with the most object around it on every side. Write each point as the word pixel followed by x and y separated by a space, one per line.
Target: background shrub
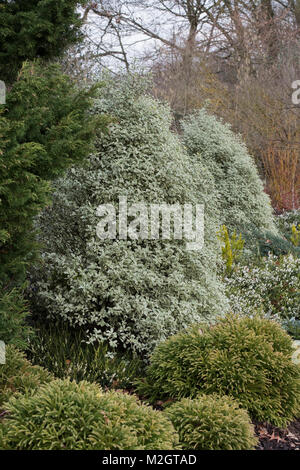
pixel 246 358
pixel 271 286
pixel 65 353
pixel 292 326
pixel 131 293
pixel 210 422
pixel 280 244
pixel 286 220
pixel 17 375
pixel 277 245
pixel 65 415
pixel 243 204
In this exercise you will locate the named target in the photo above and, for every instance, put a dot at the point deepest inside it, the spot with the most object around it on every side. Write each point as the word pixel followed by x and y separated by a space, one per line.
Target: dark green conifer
pixel 32 29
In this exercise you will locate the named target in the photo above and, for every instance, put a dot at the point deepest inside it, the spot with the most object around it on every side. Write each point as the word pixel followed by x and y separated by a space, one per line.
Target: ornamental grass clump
pixel 248 359
pixel 18 375
pixel 64 415
pixel 66 355
pixel 212 422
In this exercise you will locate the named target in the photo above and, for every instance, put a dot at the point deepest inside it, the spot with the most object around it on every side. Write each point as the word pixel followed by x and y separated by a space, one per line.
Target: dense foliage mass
pixel 64 415
pixel 134 292
pixel 211 422
pixel 286 221
pixel 13 315
pixel 102 306
pixel 243 204
pixel 32 29
pixel 248 359
pixel 44 128
pixel 282 243
pixel 271 286
pixel 17 375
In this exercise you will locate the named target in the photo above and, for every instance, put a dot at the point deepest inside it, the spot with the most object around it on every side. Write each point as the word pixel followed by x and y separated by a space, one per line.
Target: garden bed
pixel 273 438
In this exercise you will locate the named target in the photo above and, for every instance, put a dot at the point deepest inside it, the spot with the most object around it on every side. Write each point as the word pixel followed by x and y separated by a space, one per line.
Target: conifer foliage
pixel 45 127
pixel 32 29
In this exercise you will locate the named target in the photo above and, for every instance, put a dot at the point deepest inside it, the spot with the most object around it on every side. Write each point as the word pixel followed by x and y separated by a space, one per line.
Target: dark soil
pixel 272 438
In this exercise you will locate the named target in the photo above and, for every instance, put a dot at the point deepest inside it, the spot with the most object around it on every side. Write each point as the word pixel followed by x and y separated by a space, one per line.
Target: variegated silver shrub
pixel 243 204
pixel 131 293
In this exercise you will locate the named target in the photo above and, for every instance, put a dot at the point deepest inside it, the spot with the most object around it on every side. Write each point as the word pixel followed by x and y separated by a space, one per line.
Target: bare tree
pixel 237 56
pixel 173 24
pixel 237 31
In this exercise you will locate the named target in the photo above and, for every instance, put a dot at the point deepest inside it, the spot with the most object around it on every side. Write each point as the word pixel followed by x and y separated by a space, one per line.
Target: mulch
pixel 272 438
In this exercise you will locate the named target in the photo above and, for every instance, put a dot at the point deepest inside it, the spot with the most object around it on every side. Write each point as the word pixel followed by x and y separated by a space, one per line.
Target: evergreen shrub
pixel 64 415
pixel 211 422
pixel 248 359
pixel 243 204
pixel 129 293
pixel 19 376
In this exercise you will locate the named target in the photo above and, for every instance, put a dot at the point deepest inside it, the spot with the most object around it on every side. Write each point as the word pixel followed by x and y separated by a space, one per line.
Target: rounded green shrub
pixel 132 293
pixel 212 422
pixel 246 358
pixel 244 206
pixel 64 415
pixel 18 375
